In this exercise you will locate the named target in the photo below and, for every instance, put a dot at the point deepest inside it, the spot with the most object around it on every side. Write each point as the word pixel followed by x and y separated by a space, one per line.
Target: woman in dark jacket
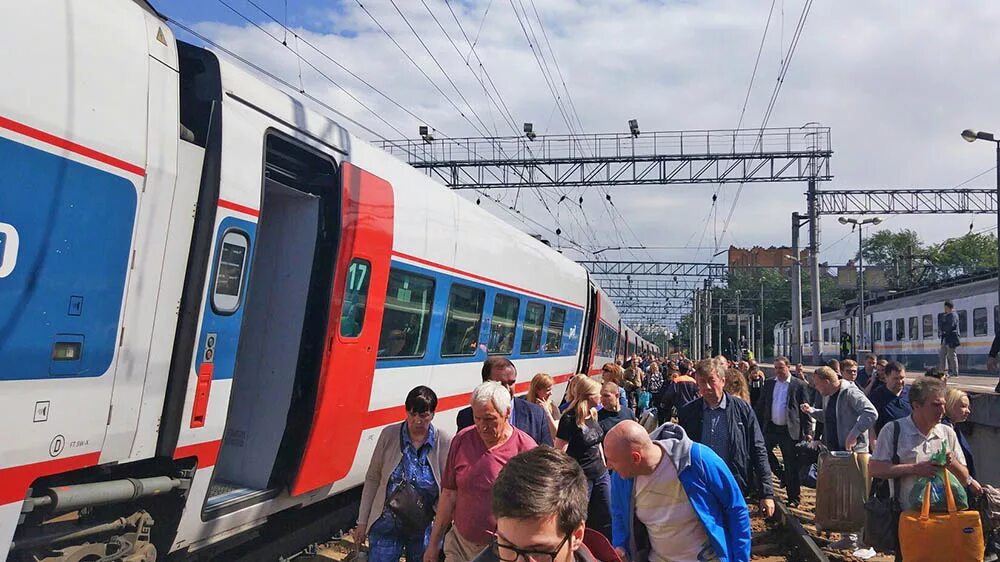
pixel 957 410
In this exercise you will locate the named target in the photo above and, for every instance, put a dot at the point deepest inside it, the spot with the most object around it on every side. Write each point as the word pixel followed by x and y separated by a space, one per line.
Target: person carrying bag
pixel 927 536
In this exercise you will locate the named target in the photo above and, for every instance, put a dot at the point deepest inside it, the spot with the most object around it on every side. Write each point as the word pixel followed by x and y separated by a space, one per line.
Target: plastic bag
pixel 938 500
pixel 642 398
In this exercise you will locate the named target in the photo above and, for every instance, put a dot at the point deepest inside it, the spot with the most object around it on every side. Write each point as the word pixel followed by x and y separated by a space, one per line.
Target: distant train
pixel 904 327
pixel 213 297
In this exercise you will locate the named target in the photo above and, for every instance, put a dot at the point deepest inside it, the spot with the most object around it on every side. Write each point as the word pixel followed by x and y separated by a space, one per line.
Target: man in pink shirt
pixel 477 454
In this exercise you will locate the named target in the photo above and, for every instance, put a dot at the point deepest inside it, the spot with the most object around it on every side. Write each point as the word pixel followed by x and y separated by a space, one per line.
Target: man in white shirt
pixel 784 424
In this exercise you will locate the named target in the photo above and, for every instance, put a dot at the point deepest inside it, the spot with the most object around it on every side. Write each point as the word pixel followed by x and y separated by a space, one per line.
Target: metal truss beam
pixel 613 159
pixel 660 269
pixel 660 293
pixel 906 201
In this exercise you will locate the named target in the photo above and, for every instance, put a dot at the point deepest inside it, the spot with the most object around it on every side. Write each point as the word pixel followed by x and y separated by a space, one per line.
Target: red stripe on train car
pixel 482 278
pixel 76 148
pixel 14 481
pixel 239 208
pixel 206 452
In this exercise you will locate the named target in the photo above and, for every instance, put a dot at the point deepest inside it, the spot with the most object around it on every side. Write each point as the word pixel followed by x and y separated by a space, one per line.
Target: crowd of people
pixel 656 460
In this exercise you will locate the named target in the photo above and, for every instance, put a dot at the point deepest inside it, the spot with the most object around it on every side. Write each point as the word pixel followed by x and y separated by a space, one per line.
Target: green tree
pixel 965 254
pixel 896 253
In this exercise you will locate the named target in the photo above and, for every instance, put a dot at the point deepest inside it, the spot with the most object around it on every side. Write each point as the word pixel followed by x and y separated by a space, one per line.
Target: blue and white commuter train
pixel 213 296
pixel 904 327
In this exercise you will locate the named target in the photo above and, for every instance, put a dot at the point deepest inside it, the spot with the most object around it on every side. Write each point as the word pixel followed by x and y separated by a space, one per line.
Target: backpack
pixel 989 511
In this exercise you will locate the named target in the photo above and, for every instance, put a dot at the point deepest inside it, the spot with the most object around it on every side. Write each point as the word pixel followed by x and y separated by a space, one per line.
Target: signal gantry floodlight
pixel 971 136
pixel 633 127
pixel 529 131
pixel 425 133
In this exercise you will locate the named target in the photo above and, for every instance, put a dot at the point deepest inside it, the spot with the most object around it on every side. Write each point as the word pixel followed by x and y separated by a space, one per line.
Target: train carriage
pixel 213 296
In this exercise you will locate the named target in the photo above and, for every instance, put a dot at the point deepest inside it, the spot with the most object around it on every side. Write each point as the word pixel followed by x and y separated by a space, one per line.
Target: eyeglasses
pixel 510 553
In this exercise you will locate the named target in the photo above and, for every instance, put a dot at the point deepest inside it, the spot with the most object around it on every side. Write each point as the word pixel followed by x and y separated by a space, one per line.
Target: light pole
pixel 861 276
pixel 972 136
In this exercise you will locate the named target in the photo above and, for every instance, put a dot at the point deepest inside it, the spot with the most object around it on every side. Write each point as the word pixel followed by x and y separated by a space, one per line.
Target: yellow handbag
pixel 932 537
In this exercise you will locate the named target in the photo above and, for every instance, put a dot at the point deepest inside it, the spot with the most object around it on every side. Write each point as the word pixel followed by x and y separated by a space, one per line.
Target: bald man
pixel 684 503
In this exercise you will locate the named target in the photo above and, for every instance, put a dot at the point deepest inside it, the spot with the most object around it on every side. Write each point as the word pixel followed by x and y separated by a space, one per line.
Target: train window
pixel 554 333
pixel 877 331
pixel 888 330
pixel 462 322
pixel 531 336
pixel 503 325
pixel 352 316
pixel 980 325
pixel 409 302
pixel 900 329
pixel 913 328
pixel 229 268
pixel 826 335
pixel 928 322
pixel 963 323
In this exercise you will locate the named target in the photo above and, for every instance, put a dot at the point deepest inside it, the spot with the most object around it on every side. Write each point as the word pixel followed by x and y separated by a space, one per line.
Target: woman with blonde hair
pixel 736 384
pixel 580 435
pixel 956 410
pixel 570 394
pixel 540 392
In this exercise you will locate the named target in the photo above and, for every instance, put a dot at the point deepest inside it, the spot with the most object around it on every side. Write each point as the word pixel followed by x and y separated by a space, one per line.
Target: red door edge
pixel 345 383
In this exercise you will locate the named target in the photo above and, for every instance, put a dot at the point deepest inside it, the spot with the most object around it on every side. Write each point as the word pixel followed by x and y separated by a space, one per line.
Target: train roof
pixel 969 289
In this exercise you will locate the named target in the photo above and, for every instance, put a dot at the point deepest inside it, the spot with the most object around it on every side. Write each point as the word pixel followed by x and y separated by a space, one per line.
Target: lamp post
pixel 972 136
pixel 861 275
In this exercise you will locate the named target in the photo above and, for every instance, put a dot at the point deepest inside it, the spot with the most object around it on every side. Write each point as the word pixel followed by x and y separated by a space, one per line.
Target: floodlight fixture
pixel 529 131
pixel 633 127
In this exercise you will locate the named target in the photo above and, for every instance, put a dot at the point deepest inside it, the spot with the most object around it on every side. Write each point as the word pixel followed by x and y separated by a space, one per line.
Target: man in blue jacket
pixel 684 503
pixel 528 417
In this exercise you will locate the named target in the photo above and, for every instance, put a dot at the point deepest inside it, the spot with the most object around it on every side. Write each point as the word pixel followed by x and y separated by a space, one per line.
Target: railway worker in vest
pixel 778 411
pixel 528 417
pixel 413 451
pixel 726 424
pixel 892 399
pixel 539 502
pixel 948 329
pixel 921 434
pixel 476 456
pixel 684 504
pixel 580 436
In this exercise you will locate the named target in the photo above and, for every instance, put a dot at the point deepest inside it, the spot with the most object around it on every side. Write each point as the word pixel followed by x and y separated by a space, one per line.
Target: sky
pixel 895 81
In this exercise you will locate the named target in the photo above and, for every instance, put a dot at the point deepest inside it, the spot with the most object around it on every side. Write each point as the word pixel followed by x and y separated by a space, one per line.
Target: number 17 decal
pixel 9 242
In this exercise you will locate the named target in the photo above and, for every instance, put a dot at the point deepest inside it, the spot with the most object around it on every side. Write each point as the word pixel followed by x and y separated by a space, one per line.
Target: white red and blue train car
pixel 213 296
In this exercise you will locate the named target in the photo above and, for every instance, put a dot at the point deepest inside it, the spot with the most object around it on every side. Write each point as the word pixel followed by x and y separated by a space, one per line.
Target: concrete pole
pixel 817 309
pixel 796 347
pixel 708 320
pixel 720 350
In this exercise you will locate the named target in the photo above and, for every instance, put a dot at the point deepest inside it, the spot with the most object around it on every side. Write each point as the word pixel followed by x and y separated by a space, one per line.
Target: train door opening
pixel 591 324
pixel 284 326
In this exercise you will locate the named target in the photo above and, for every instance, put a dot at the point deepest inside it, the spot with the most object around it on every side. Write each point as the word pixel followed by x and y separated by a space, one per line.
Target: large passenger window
pixel 963 323
pixel 463 321
pixel 913 328
pixel 409 302
pixel 504 324
pixel 888 330
pixel 900 329
pixel 554 333
pixel 229 269
pixel 826 335
pixel 352 317
pixel 531 336
pixel 928 322
pixel 979 322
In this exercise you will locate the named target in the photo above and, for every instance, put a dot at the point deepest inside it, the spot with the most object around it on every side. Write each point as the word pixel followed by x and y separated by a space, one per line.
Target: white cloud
pixel 895 81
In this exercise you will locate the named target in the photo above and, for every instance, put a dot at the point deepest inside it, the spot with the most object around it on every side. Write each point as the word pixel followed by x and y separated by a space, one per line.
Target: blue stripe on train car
pixel 61 302
pixel 442 286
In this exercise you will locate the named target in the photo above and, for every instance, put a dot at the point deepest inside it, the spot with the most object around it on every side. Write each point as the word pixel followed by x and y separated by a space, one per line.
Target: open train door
pixel 356 306
pixel 591 323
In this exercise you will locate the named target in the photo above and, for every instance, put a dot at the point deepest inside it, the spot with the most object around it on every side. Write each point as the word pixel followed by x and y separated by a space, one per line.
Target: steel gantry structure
pixel 613 159
pixel 906 201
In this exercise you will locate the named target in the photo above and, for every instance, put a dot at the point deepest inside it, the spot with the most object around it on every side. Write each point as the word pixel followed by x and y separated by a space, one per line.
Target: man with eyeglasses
pixel 540 505
pixel 529 418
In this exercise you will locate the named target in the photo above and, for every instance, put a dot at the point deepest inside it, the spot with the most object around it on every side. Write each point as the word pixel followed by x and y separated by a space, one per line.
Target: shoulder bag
pixel 410 507
pixel 882 510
